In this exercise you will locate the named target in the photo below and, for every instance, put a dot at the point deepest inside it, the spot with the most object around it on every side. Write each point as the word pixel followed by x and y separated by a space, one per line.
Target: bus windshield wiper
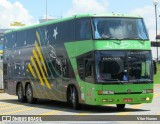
pixel 110 79
pixel 141 80
pixel 109 38
pixel 113 81
pixel 132 38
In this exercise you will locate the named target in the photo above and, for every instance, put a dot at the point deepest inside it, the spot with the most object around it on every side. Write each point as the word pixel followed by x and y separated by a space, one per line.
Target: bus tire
pixel 74 98
pixel 29 95
pixel 20 93
pixel 120 106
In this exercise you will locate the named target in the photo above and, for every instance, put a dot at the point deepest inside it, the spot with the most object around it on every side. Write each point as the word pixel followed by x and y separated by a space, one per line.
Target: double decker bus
pixel 84 59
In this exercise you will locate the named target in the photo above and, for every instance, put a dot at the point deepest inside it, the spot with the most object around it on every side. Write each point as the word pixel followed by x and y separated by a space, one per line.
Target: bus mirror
pixel 155 67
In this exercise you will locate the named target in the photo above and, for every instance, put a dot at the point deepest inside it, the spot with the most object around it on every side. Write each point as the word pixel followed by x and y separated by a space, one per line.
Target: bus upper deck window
pixel 83 29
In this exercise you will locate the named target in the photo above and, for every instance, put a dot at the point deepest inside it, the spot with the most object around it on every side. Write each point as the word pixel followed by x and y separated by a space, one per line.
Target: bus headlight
pixel 105 92
pixel 147 98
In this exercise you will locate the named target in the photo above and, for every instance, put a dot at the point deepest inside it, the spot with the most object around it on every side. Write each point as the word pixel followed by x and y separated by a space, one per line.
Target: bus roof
pixel 73 17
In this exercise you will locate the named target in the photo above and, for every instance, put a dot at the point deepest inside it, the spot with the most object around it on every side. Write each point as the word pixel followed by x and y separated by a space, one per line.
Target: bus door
pixel 89 77
pixel 86 73
pixel 8 69
pixel 5 75
pixel 64 77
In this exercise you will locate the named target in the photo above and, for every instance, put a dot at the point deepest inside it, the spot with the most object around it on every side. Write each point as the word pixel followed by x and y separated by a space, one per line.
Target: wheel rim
pixel 29 92
pixel 20 92
pixel 73 96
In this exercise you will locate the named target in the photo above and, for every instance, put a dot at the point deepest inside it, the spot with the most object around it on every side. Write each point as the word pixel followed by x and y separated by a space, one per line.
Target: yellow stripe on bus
pixel 41 57
pixel 38 37
pixel 39 64
pixel 37 71
pixel 31 70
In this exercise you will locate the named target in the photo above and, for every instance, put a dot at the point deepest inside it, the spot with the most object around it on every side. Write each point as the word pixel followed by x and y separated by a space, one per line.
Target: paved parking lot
pixel 9 105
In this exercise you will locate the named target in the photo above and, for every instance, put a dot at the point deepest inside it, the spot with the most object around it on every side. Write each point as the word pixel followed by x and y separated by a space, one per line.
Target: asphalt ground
pixel 9 105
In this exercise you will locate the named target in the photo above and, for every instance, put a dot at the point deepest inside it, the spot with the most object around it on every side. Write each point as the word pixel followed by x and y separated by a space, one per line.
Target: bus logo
pixel 128 91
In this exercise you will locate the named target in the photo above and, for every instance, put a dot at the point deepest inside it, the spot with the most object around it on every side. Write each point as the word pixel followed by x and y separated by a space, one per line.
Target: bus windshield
pixel 119 28
pixel 123 66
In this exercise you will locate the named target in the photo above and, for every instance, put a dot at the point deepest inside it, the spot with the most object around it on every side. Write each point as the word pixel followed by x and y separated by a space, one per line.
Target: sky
pixel 30 11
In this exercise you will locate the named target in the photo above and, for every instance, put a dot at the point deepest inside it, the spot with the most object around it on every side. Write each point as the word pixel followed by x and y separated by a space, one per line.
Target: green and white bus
pixel 84 59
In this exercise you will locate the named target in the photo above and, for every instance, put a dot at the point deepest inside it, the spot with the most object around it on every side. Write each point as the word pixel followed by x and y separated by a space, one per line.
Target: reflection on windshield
pixel 123 66
pixel 139 65
pixel 119 28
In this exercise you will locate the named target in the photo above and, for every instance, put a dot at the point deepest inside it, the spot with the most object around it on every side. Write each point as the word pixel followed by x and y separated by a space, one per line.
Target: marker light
pixel 104 100
pixel 107 100
pixel 127 99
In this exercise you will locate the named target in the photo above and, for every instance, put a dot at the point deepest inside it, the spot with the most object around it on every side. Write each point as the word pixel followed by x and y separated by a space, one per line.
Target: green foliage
pixel 157 76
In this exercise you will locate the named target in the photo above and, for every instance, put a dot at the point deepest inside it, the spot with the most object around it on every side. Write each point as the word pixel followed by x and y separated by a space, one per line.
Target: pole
pixel 156 29
pixel 46 9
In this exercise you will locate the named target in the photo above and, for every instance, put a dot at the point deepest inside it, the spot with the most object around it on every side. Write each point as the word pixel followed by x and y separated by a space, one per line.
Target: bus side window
pixel 30 37
pixel 89 71
pixel 10 40
pixel 21 38
pixel 85 67
pixel 5 69
pixel 81 68
pixel 83 29
pixel 67 31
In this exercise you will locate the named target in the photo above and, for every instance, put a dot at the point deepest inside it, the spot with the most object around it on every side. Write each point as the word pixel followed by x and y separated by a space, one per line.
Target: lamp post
pixel 155 2
pixel 46 10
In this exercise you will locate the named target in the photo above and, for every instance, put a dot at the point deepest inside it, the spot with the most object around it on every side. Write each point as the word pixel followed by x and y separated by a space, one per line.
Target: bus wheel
pixel 120 106
pixel 20 93
pixel 74 98
pixel 29 95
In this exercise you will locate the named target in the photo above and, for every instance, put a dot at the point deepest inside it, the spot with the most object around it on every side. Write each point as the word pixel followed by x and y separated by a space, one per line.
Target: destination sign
pixel 111 58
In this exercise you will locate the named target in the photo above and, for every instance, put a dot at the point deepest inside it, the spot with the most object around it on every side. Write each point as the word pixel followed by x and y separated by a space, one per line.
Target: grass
pixel 157 76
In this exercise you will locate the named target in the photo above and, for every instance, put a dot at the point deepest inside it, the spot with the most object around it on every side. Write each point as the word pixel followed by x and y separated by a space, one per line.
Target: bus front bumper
pixel 121 99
